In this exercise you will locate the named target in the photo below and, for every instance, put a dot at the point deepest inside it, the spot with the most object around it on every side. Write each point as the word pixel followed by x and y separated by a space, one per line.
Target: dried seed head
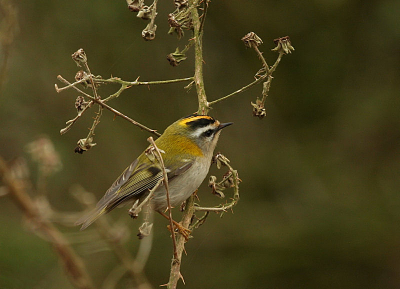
pixel 251 39
pixel 135 5
pixel 79 57
pixel 149 33
pixel 220 160
pixel 80 104
pixel 259 109
pixel 80 75
pixel 84 144
pixel 283 45
pixel 179 4
pixel 172 21
pixel 145 230
pixel 134 211
pixel 176 57
pixel 144 13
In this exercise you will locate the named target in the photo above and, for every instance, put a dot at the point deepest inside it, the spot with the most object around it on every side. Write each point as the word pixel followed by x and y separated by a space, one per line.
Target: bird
pixel 187 147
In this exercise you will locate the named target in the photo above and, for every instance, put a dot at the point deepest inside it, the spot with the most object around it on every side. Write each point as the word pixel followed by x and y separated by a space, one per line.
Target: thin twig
pixel 175 273
pixel 235 199
pixel 244 88
pixel 203 16
pixel 268 74
pixel 91 80
pixel 165 178
pixel 100 102
pixel 136 209
pixel 136 82
pixel 198 71
pixel 261 56
pixel 71 122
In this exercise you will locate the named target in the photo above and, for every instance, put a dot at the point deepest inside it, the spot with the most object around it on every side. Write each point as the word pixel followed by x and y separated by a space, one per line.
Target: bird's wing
pixel 132 183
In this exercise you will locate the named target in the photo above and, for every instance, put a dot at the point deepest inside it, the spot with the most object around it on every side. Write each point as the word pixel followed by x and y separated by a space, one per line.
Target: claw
pixel 182 230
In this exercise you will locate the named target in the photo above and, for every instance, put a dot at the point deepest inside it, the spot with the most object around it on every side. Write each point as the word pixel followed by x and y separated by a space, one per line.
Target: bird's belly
pixel 181 187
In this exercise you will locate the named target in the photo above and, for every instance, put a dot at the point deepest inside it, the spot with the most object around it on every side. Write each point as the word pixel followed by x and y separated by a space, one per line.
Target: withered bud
pixel 220 160
pixel 135 5
pixel 216 188
pixel 283 45
pixel 134 211
pixel 149 152
pixel 251 39
pixel 84 144
pixel 80 104
pixel 259 109
pixel 144 13
pixel 180 3
pixel 176 57
pixel 149 33
pixel 229 180
pixel 79 57
pixel 172 21
pixel 212 181
pixel 145 230
pixel 80 75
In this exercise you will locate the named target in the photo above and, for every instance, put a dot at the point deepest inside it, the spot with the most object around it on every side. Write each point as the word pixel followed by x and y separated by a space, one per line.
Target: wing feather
pixel 132 183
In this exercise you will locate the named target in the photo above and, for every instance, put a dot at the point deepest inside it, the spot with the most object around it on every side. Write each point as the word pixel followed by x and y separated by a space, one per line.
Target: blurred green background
pixel 320 200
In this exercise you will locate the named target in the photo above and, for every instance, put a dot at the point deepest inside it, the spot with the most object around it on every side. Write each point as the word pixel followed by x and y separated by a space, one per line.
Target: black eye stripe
pixel 208 132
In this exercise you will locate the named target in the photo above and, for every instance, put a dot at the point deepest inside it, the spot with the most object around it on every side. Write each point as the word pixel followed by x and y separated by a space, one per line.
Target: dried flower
pixel 220 160
pixel 176 57
pixel 135 5
pixel 83 75
pixel 79 57
pixel 145 230
pixel 80 104
pixel 179 4
pixel 259 109
pixel 149 33
pixel 216 188
pixel 228 183
pixel 283 45
pixel 251 39
pixel 84 144
pixel 172 21
pixel 134 211
pixel 145 13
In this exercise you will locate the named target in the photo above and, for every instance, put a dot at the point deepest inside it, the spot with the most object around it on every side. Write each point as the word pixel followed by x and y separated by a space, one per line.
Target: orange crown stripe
pixel 194 118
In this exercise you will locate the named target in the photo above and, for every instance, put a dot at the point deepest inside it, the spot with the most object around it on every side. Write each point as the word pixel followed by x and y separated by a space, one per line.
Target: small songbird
pixel 187 148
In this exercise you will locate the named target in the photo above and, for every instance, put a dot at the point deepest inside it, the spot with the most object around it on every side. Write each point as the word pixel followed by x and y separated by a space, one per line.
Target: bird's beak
pixel 222 125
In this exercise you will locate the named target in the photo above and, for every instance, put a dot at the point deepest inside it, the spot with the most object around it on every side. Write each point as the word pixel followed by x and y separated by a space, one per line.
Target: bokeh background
pixel 320 199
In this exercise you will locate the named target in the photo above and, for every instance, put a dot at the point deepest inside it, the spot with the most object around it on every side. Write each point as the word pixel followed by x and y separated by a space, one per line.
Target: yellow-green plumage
pixel 187 157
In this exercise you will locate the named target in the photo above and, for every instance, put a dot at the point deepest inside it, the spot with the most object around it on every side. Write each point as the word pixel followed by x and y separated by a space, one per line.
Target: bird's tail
pixel 87 219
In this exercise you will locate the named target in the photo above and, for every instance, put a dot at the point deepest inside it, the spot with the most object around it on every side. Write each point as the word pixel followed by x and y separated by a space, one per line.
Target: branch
pixel 243 89
pixel 175 273
pixel 232 179
pixel 251 40
pixel 72 263
pixel 157 154
pixel 101 103
pixel 198 50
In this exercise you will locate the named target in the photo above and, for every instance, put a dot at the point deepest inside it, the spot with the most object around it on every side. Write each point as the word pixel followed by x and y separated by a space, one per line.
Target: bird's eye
pixel 208 133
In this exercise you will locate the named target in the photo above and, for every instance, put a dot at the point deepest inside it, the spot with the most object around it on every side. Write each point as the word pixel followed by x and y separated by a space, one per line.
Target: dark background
pixel 320 202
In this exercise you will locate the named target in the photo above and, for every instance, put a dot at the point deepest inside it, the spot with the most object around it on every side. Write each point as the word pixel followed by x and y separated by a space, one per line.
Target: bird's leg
pixel 182 230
